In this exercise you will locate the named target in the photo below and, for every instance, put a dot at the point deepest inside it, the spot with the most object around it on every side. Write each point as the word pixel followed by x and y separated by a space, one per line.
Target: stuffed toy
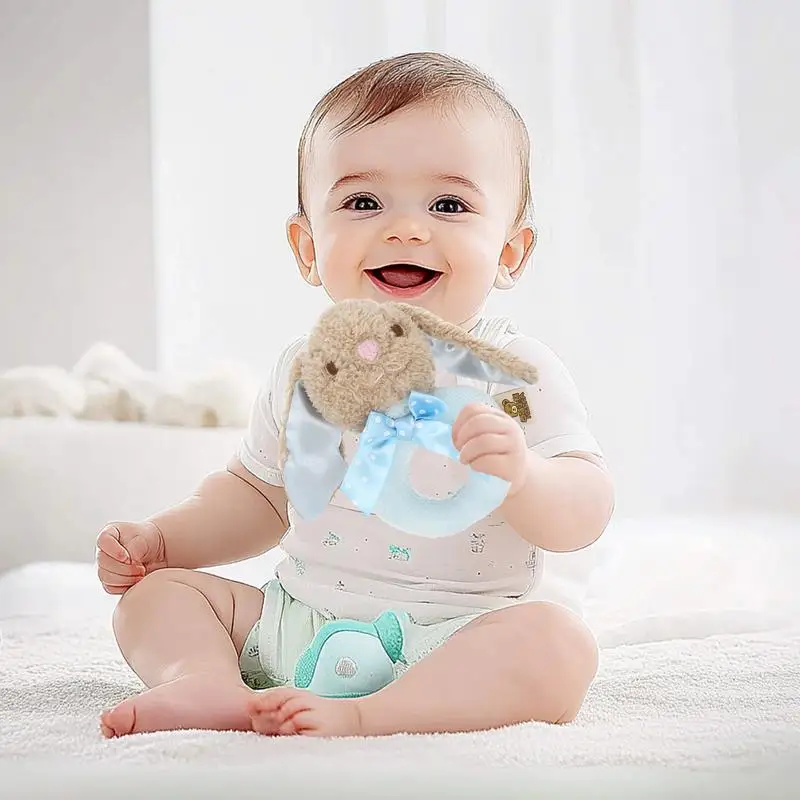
pixel 370 368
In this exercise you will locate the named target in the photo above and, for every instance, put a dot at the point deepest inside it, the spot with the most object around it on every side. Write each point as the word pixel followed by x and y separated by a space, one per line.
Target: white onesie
pixel 348 565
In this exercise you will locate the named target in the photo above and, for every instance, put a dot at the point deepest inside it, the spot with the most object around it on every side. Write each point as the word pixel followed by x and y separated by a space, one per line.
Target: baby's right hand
pixel 126 552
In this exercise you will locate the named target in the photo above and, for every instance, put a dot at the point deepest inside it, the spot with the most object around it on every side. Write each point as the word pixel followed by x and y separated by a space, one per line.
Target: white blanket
pixel 698 691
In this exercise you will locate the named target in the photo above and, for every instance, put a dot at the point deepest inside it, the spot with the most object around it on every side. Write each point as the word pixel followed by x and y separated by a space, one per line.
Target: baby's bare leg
pixel 181 631
pixel 525 663
pixel 529 662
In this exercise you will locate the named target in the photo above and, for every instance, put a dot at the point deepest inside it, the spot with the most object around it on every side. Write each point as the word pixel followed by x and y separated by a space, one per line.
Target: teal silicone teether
pixel 351 659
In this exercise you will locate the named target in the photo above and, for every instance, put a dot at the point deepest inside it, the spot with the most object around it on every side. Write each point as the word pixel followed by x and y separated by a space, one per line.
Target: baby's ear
pixel 301 240
pixel 313 466
pixel 456 351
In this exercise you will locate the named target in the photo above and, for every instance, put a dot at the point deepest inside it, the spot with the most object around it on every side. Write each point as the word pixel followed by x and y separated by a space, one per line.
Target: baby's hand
pixel 126 552
pixel 490 441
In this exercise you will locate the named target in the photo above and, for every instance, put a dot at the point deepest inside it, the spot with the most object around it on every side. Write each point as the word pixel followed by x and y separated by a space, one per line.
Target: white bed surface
pixel 61 480
pixel 700 671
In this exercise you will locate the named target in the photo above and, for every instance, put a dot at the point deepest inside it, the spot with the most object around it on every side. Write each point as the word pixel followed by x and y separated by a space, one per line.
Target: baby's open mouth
pixel 403 279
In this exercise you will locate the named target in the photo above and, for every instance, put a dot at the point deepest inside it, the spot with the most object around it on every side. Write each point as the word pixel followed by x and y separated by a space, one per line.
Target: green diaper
pixel 295 645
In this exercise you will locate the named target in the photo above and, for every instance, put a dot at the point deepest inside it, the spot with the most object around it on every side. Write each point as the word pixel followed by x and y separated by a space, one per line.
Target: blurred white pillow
pixel 106 385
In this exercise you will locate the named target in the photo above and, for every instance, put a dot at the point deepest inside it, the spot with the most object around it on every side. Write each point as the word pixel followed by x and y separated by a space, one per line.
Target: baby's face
pixel 415 208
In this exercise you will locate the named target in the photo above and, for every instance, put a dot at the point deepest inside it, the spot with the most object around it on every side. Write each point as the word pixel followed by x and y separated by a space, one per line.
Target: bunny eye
pixel 332 368
pixel 397 330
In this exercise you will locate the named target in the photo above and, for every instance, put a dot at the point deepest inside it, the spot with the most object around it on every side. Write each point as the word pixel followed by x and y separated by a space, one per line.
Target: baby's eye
pixel 332 368
pixel 448 205
pixel 361 202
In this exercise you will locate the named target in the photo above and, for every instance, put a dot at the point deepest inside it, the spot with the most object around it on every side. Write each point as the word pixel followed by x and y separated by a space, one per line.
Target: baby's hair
pixel 389 85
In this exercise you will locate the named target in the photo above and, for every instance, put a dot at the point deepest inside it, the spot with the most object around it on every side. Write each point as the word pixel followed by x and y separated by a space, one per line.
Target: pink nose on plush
pixel 368 349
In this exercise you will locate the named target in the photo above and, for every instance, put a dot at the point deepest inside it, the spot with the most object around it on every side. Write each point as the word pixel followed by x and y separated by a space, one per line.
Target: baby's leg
pixel 181 631
pixel 533 661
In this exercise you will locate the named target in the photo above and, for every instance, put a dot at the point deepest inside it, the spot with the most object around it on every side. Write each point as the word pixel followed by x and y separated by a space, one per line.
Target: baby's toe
pixel 118 721
pixel 269 701
pixel 266 710
pixel 287 728
pixel 264 723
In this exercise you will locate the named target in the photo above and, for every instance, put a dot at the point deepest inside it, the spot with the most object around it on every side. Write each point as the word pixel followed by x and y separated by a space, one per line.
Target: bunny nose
pixel 368 349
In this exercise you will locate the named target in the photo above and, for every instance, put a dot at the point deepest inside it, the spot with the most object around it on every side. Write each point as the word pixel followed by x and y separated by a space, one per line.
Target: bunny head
pixel 365 356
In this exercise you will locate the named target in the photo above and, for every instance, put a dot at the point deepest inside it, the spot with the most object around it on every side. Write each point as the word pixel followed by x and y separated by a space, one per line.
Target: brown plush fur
pixel 404 362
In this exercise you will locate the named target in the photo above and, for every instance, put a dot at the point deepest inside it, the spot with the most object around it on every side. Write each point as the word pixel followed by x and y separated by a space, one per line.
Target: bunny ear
pixel 456 351
pixel 314 467
pixel 295 374
pixel 484 366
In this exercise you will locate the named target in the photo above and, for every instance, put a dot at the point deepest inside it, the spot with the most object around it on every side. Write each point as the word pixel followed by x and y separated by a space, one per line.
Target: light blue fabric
pixel 314 467
pixel 460 360
pixel 402 507
pixel 419 425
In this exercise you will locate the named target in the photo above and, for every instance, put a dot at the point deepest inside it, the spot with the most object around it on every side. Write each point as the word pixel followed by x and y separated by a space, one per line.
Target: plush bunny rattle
pixel 370 368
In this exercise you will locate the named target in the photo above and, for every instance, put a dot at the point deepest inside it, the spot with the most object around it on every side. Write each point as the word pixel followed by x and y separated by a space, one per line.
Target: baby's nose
pixel 368 349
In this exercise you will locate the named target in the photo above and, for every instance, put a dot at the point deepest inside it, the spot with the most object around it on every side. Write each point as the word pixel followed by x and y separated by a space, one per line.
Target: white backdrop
pixel 666 172
pixel 76 249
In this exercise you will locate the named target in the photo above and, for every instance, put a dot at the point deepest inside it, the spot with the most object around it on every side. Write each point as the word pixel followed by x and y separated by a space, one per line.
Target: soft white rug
pixel 700 697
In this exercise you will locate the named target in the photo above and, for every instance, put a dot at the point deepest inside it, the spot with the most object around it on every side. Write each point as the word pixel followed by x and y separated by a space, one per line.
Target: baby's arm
pixel 231 516
pixel 564 503
pixel 566 497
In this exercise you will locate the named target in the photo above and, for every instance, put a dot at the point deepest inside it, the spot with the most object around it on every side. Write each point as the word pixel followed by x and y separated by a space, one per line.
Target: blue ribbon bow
pixel 422 426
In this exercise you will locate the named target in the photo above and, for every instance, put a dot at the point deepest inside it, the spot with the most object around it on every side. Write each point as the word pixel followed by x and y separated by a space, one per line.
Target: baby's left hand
pixel 490 441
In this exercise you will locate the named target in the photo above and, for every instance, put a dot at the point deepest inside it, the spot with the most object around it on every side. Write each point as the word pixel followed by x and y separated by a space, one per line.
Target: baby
pixel 413 186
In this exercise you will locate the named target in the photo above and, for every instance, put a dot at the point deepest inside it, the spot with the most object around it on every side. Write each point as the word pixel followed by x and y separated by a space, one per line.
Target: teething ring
pixel 402 507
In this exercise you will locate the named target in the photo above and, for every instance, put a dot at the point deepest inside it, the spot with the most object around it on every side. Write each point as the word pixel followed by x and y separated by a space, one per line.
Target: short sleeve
pixel 550 411
pixel 258 449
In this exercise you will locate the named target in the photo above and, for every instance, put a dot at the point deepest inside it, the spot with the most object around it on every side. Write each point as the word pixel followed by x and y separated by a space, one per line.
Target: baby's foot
pixel 288 711
pixel 195 701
